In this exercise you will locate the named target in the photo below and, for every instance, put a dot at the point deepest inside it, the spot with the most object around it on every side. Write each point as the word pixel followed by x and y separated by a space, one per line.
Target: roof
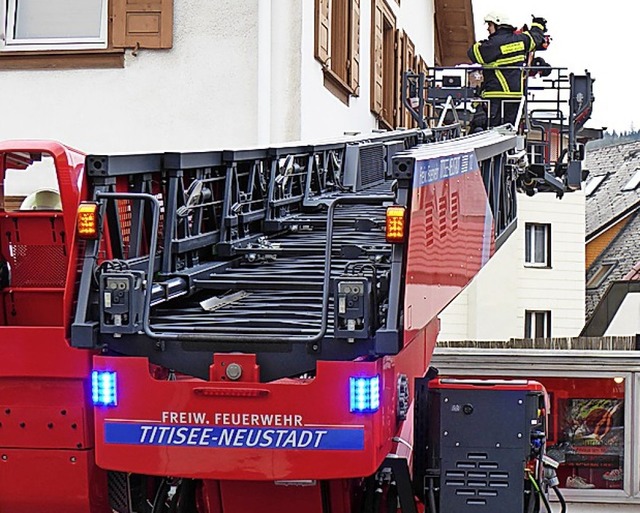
pixel 609 203
pixel 633 274
pixel 624 254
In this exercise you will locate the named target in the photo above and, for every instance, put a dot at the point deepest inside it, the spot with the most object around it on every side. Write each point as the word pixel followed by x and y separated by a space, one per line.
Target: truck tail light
pixel 364 394
pixel 395 225
pixel 87 220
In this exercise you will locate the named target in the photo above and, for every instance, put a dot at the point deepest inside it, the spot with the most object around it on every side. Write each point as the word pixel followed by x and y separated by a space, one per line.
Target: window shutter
pixel 409 64
pixel 323 31
pixel 142 23
pixel 398 110
pixel 424 69
pixel 354 48
pixel 377 61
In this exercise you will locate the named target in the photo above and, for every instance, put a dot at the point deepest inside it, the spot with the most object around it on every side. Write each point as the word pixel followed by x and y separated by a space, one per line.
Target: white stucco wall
pixel 240 73
pixel 199 95
pixel 493 306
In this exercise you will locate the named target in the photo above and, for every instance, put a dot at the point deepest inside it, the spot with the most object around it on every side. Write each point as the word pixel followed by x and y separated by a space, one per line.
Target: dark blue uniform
pixel 503 55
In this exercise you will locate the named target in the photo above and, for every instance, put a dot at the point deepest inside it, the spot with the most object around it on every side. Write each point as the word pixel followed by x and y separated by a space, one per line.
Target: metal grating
pixel 119 493
pixel 124 214
pixel 282 297
pixel 372 164
pixel 477 479
pixel 37 265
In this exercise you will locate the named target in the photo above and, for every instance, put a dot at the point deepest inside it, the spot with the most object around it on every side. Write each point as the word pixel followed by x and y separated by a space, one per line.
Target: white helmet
pixel 499 18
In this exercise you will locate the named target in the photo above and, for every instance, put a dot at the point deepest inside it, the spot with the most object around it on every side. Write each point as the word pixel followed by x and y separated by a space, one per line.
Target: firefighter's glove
pixel 538 20
pixel 539 62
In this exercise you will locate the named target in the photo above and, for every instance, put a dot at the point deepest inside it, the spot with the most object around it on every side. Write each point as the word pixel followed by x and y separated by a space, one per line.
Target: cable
pixel 563 503
pixel 536 485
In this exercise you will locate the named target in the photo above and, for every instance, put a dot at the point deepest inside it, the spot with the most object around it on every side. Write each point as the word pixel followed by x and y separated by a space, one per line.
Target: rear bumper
pixel 244 431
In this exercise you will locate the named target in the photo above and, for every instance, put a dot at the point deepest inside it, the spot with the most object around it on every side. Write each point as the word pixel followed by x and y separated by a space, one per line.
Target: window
pixel 537 324
pixel 81 33
pixel 29 183
pixel 537 245
pixel 47 24
pixel 337 45
pixel 587 431
pixel 633 183
pixel 600 275
pixel 536 153
pixel 593 183
pixel 383 58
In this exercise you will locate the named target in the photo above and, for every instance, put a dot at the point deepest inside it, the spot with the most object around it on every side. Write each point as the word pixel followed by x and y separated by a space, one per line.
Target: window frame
pixel 593 183
pixel 340 59
pixel 12 44
pixel 530 245
pixel 536 152
pixel 127 27
pixel 531 323
pixel 633 182
pixel 603 272
pixel 384 53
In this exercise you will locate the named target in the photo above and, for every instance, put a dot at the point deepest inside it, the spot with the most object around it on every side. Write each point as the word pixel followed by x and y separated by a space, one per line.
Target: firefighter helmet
pixel 497 17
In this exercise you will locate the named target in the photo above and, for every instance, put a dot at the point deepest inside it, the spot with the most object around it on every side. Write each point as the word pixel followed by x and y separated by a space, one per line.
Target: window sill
pixel 337 86
pixel 537 266
pixel 62 59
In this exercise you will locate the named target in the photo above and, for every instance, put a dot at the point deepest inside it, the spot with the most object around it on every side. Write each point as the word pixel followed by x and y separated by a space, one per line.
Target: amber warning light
pixel 395 224
pixel 88 220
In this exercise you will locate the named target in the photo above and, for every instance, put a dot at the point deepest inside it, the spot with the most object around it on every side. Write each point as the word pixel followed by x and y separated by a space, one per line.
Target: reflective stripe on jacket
pixel 501 54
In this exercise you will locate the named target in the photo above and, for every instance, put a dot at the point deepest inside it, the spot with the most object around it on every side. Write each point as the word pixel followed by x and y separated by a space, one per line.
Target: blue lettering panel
pixel 345 439
pixel 441 168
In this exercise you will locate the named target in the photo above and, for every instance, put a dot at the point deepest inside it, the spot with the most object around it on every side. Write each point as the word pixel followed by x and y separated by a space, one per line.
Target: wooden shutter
pixel 142 23
pixel 437 44
pixel 354 48
pixel 377 61
pixel 323 31
pixel 409 58
pixel 423 68
pixel 398 109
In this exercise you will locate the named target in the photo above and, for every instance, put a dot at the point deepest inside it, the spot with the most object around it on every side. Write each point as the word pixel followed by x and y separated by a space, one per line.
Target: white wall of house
pixel 324 115
pixel 200 94
pixel 241 72
pixel 493 306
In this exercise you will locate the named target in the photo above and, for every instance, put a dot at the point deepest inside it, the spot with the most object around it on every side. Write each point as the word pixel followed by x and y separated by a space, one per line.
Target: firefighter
pixel 503 55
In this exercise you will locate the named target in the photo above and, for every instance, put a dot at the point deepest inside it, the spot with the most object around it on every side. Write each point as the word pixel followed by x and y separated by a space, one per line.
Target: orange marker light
pixel 395 229
pixel 88 220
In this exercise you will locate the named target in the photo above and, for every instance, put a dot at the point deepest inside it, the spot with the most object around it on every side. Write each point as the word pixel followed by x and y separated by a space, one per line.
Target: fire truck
pixel 250 330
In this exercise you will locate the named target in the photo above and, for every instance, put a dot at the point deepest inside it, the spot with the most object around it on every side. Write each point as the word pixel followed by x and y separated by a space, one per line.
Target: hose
pixel 392 498
pixel 377 499
pixel 161 493
pixel 432 497
pixel 536 485
pixel 563 503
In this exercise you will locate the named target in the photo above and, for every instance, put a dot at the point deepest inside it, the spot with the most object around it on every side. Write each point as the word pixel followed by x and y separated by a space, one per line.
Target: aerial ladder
pixel 233 331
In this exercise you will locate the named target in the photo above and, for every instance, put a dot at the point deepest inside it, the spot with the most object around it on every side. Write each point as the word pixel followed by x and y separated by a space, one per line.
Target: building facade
pixel 534 286
pixel 201 74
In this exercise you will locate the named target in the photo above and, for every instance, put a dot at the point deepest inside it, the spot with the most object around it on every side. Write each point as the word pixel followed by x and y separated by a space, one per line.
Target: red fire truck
pixel 250 330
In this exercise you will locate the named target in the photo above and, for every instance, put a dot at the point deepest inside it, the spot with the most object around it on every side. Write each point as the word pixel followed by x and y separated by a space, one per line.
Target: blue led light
pixel 104 388
pixel 364 394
